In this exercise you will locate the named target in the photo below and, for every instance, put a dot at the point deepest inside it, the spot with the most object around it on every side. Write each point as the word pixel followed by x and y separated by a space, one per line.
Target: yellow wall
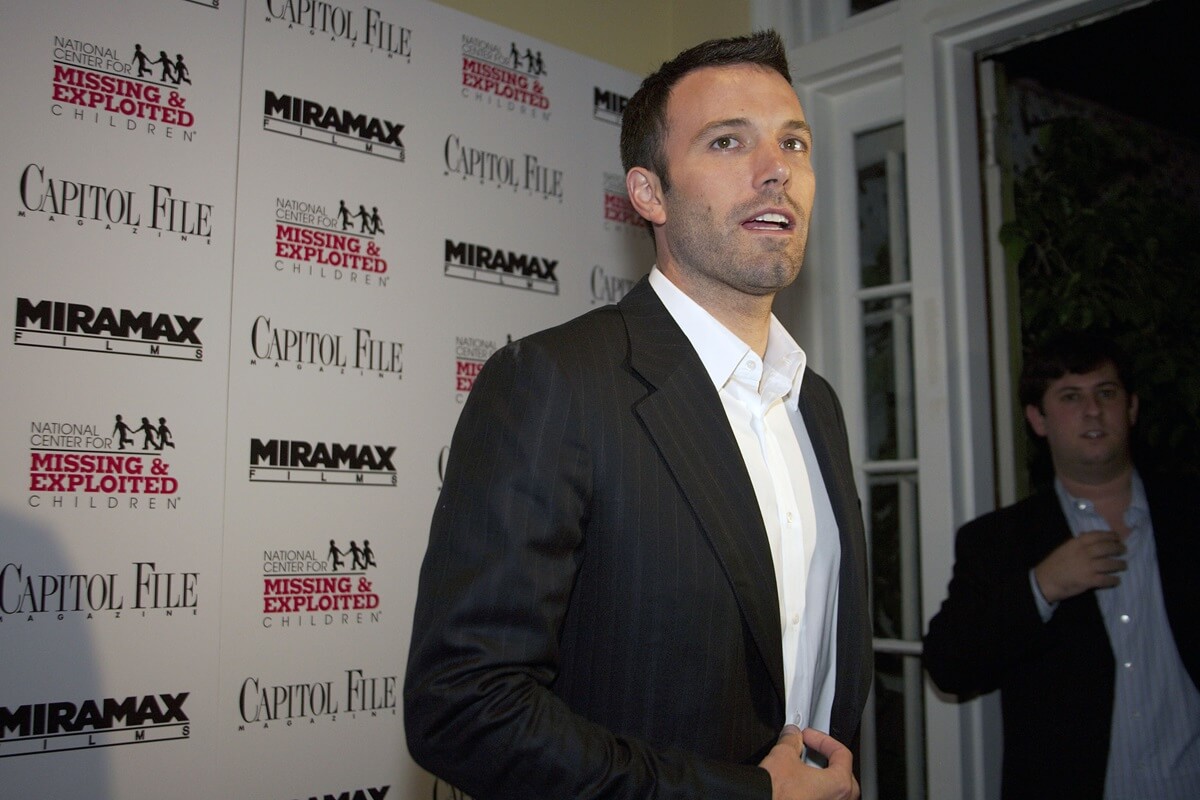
pixel 636 35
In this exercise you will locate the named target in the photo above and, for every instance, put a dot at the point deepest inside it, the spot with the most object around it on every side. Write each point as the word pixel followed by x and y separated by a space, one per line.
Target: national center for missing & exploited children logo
pixel 608 106
pixel 44 727
pixel 304 588
pixel 142 590
pixel 500 267
pixel 368 31
pixel 507 79
pixel 332 125
pixel 527 175
pixel 342 246
pixel 156 213
pixel 470 354
pixel 352 695
pixel 277 344
pixel 82 465
pixel 59 325
pixel 321 463
pixel 126 88
pixel 619 214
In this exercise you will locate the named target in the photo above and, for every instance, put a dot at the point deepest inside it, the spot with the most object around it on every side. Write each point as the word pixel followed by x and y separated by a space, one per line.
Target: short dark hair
pixel 644 121
pixel 1074 352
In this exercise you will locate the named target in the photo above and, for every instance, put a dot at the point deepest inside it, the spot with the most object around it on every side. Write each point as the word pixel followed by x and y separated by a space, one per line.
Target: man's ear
pixel 1133 409
pixel 1036 420
pixel 645 194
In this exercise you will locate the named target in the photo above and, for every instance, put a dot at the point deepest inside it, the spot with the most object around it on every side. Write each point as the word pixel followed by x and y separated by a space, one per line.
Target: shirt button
pixel 1128 665
pixel 1125 618
pixel 790 518
pixel 751 364
pixel 795 619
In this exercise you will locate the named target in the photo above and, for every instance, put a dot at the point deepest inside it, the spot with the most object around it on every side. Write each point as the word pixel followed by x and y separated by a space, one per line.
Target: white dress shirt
pixel 761 397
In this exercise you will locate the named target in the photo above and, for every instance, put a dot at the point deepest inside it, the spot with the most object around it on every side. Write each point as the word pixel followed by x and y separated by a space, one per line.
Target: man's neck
pixel 747 316
pixel 1110 495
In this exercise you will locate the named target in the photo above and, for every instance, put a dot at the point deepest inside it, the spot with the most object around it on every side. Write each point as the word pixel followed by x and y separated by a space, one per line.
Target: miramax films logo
pixel 156 212
pixel 525 174
pixel 352 695
pixel 57 726
pixel 318 588
pixel 369 793
pixel 279 344
pixel 364 28
pixel 333 125
pixel 143 590
pixel 500 267
pixel 124 87
pixel 608 106
pixel 83 465
pixel 507 79
pixel 59 325
pixel 342 245
pixel 321 463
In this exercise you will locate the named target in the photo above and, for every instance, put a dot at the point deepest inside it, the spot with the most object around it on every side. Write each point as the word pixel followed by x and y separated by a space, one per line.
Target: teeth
pixel 778 219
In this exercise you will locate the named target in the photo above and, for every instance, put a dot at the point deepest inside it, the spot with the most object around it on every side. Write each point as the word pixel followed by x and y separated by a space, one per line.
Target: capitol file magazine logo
pixel 126 87
pixel 265 704
pixel 276 344
pixel 321 463
pixel 58 726
pixel 60 325
pixel 608 106
pixel 83 465
pixel 27 595
pixel 153 213
pixel 365 30
pixel 343 245
pixel 507 79
pixel 338 126
pixel 319 588
pixel 488 168
pixel 500 267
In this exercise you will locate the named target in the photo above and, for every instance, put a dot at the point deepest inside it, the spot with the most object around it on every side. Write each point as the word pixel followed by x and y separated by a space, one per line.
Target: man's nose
pixel 771 167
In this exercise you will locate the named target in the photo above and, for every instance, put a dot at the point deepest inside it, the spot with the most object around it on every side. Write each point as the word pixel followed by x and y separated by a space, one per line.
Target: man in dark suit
pixel 1079 603
pixel 646 572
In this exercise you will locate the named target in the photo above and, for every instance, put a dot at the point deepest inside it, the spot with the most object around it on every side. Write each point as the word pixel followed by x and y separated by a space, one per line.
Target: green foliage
pixel 1104 240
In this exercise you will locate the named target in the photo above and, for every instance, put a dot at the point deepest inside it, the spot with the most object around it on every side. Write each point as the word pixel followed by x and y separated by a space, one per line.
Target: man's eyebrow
pixel 795 125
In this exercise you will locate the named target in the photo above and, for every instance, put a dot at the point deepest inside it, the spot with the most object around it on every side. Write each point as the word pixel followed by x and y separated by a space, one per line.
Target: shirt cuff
pixel 1045 607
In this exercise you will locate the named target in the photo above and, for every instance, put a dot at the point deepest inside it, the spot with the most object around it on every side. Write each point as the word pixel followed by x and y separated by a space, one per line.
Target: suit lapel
pixel 683 415
pixel 855 661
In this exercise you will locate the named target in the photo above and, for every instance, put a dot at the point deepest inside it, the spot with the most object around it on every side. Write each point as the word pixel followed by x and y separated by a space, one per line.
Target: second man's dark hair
pixel 1075 352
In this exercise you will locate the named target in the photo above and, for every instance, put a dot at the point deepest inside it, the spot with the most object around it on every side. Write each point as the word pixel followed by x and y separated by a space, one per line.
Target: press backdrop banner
pixel 255 255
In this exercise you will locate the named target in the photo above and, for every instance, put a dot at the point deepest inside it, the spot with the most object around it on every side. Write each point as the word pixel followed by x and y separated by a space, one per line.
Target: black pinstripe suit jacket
pixel 597 614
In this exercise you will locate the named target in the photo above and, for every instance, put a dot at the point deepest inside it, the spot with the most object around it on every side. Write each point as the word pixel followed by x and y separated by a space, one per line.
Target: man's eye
pixel 724 143
pixel 797 145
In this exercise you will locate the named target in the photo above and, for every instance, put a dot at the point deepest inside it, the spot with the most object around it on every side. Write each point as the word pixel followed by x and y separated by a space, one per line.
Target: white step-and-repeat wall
pixel 254 255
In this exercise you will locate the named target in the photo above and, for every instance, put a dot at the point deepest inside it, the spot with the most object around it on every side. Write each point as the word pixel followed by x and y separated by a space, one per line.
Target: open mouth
pixel 769 221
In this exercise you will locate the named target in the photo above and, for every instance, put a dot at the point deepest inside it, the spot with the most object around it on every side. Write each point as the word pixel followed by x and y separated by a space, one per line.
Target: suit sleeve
pixel 505 544
pixel 988 623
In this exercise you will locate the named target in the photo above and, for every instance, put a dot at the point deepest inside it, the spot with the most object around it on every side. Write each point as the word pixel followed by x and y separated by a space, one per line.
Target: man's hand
pixel 792 779
pixel 1087 561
